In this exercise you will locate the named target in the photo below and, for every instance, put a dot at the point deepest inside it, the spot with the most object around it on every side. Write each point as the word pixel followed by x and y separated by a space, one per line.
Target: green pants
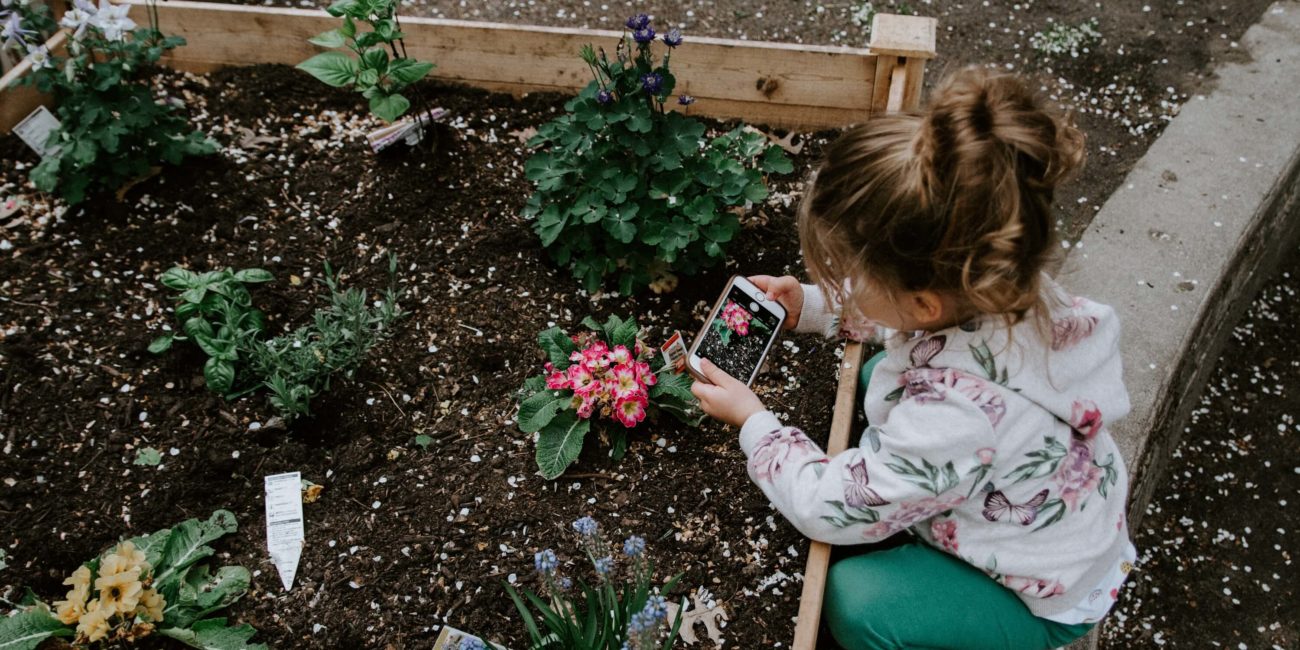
pixel 909 595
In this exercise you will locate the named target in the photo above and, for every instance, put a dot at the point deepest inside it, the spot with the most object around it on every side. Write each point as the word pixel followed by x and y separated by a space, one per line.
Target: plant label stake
pixel 451 639
pixel 674 350
pixel 699 614
pixel 284 526
pixel 404 129
pixel 35 130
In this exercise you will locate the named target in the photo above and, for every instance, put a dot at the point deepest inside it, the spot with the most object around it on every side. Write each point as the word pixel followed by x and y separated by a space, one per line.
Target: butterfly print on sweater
pixel 998 507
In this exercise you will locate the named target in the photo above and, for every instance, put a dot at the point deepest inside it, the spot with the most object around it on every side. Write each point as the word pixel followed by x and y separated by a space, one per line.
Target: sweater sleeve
pixel 925 460
pixel 820 316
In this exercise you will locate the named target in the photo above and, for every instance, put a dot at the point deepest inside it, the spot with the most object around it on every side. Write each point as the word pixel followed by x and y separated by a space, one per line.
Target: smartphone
pixel 738 333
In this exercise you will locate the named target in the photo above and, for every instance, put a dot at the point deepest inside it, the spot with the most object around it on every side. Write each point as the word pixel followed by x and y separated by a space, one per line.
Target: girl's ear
pixel 927 307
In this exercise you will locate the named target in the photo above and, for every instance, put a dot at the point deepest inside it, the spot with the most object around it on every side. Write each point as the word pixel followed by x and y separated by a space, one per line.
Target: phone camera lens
pixel 753 306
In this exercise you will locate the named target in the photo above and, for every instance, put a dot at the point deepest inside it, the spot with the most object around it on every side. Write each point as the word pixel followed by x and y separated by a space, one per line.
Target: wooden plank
pixel 819 554
pixel 885 64
pixel 905 36
pixel 897 86
pixel 912 83
pixel 783 79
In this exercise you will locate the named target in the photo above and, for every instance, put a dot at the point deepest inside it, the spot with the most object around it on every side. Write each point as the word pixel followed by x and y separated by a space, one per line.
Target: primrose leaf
pixel 560 443
pixel 29 628
pixel 214 634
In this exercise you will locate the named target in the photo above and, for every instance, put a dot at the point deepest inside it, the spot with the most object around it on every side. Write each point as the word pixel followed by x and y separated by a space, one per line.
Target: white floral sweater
pixel 993 451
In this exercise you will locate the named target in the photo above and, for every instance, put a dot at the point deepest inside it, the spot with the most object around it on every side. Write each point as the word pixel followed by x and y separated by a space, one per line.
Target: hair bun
pixel 976 105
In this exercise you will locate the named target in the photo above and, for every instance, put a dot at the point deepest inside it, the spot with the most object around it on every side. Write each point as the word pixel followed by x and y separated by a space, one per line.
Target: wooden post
pixel 902 45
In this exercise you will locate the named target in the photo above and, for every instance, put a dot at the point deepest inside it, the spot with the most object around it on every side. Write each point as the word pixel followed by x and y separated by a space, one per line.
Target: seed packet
pixel 674 351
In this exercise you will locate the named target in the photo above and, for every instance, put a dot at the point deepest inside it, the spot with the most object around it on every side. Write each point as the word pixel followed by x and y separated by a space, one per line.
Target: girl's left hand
pixel 725 397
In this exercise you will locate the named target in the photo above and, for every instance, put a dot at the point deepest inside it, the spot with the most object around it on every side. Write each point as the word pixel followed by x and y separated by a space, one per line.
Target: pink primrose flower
pixel 625 382
pixel 631 410
pixel 620 355
pixel 557 380
pixel 645 375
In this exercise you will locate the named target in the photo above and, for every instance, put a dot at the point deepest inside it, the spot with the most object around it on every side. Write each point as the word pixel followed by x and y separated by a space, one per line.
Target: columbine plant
pixel 142 586
pixel 608 372
pixel 379 77
pixel 215 310
pixel 627 188
pixel 1066 39
pixel 620 612
pixel 113 129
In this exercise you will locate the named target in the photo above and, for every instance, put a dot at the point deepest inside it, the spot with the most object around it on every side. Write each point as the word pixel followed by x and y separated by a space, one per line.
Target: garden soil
pixel 406 537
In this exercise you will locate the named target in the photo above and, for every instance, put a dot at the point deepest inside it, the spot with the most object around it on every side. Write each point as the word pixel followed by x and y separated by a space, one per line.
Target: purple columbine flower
pixel 673 38
pixel 652 82
pixel 644 35
pixel 685 100
pixel 604 97
pixel 639 21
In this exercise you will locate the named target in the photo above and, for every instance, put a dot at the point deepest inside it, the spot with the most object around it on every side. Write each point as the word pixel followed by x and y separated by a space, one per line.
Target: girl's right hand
pixel 786 291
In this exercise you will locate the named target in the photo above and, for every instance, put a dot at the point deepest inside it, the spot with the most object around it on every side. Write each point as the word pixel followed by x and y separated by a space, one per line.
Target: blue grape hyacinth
pixel 546 562
pixel 604 565
pixel 634 546
pixel 587 527
pixel 652 82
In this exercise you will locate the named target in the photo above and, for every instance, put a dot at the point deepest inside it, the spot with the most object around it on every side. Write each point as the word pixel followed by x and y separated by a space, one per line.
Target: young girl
pixel 988 408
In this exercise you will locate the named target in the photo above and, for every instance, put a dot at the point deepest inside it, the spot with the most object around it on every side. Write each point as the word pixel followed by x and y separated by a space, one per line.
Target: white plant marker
pixel 701 613
pixel 284 525
pixel 35 129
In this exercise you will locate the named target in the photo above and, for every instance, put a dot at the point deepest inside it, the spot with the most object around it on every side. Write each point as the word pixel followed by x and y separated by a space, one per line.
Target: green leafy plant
pixel 113 130
pixel 622 611
pixel 630 189
pixel 215 309
pixel 607 371
pixel 1066 39
pixel 381 71
pixel 156 583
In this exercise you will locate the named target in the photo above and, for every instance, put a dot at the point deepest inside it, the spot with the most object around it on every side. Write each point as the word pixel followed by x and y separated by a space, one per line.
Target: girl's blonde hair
pixel 956 198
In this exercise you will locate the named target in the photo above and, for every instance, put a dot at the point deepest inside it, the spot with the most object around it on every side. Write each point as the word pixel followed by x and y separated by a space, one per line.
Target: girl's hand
pixel 725 397
pixel 786 291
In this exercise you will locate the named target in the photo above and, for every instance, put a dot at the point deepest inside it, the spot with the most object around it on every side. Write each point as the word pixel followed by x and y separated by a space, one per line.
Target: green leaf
pixel 560 443
pixel 28 629
pixel 148 456
pixel 423 441
pixel 333 68
pixel 389 107
pixel 251 276
pixel 557 345
pixel 188 543
pixel 213 634
pixel 331 39
pixel 775 161
pixel 624 333
pixel 672 384
pixel 178 278
pixel 550 224
pixel 162 343
pixel 408 71
pixel 538 410
pixel 200 593
pixel 220 375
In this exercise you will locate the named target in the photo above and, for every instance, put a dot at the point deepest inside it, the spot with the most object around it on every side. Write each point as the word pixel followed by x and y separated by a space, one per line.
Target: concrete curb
pixel 1183 246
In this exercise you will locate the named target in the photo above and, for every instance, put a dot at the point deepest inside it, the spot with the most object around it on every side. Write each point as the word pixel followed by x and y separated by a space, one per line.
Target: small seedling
pixel 148 456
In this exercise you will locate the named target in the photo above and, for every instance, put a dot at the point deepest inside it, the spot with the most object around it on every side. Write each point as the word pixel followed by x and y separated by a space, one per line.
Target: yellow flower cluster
pixel 123 599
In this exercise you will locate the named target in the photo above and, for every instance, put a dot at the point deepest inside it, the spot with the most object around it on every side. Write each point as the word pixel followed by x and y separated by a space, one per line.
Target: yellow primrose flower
pixel 68 611
pixel 120 593
pixel 151 605
pixel 93 625
pixel 122 559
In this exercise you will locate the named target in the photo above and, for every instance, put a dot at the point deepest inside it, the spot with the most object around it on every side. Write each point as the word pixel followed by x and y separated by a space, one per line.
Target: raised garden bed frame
pixel 782 85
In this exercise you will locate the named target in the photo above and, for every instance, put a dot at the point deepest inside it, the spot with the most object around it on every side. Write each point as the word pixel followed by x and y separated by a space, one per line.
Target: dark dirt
pixel 1218 548
pixel 403 538
pixel 1153 57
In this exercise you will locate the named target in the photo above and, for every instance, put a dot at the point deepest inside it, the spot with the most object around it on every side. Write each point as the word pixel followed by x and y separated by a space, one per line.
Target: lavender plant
pixel 381 70
pixel 630 189
pixel 620 612
pixel 113 128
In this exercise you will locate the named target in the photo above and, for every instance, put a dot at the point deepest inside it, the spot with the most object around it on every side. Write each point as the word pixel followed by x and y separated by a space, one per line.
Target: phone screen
pixel 738 336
